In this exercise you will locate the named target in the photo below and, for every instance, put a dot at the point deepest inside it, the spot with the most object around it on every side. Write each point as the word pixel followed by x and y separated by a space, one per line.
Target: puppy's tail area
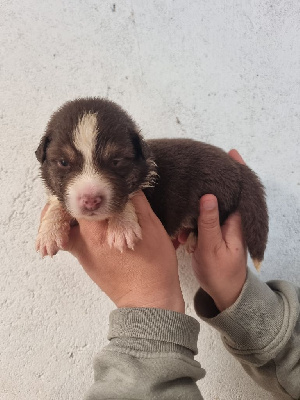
pixel 254 213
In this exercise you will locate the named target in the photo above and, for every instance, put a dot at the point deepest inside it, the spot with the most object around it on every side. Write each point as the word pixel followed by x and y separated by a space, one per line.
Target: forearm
pixel 262 330
pixel 150 356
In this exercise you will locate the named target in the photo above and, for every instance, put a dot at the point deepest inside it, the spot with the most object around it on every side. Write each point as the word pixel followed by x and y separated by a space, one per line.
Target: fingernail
pixel 209 204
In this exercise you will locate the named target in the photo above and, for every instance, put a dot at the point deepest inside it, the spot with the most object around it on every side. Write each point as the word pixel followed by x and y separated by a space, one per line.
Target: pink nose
pixel 90 203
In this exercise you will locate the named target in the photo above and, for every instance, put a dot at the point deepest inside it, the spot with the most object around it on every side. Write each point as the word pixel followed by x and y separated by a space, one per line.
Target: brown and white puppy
pixel 93 159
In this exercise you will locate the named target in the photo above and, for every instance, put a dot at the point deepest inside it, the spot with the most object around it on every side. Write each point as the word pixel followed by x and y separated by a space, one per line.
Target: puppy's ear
pixel 143 173
pixel 41 150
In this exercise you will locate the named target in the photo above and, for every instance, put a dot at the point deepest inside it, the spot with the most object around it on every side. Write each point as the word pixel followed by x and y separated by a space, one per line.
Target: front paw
pixel 51 238
pixel 121 236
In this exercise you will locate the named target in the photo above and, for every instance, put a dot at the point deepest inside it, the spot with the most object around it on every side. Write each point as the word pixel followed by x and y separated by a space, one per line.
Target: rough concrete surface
pixel 223 72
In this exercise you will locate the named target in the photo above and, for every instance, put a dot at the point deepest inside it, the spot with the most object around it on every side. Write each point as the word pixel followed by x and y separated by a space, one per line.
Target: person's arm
pixel 262 330
pixel 259 323
pixel 150 356
pixel 152 342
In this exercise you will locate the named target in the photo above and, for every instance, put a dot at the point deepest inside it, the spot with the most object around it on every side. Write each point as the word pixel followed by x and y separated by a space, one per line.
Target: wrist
pixel 168 302
pixel 224 302
pixel 171 304
pixel 227 295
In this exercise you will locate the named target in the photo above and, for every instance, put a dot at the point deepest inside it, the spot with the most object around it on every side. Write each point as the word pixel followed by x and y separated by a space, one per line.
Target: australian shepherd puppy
pixel 93 159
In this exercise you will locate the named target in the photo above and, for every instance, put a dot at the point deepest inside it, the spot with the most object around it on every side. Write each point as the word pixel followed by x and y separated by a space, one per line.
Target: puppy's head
pixel 93 158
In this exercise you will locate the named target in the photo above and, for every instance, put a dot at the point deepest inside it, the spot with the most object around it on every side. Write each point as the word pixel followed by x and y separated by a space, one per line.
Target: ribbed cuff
pixel 161 330
pixel 252 322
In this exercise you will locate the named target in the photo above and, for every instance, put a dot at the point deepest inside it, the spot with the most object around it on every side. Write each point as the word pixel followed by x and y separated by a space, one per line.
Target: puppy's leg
pixel 124 229
pixel 191 243
pixel 54 229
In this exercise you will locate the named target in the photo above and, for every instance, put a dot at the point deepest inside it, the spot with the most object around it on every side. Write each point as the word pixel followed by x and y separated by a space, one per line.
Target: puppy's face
pixel 92 158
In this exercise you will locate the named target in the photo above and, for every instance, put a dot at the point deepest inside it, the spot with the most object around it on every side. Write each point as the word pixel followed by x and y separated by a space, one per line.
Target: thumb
pixel 232 231
pixel 209 231
pixel 140 202
pixel 143 209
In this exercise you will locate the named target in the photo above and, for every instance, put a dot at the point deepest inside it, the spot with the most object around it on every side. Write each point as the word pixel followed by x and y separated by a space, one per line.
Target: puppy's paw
pixel 52 237
pixel 121 236
pixel 54 229
pixel 124 229
pixel 191 243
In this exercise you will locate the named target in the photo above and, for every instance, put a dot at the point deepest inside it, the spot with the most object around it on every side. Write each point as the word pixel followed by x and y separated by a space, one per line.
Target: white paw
pixel 124 235
pixel 52 237
pixel 54 230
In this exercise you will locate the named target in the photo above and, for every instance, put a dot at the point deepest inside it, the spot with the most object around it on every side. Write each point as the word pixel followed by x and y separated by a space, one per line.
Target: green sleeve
pixel 262 330
pixel 150 356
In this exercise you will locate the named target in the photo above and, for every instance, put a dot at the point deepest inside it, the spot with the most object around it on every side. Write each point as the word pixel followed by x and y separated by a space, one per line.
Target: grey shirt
pixel 151 351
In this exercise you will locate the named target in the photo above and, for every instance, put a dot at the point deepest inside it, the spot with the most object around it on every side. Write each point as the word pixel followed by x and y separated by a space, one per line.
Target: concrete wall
pixel 223 72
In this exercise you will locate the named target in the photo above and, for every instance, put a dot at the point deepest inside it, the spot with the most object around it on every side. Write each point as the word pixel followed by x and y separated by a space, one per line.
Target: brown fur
pixel 118 138
pixel 186 170
pixel 189 169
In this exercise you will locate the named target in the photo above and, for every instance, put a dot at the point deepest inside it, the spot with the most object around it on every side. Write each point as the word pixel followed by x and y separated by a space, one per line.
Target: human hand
pixel 145 277
pixel 220 259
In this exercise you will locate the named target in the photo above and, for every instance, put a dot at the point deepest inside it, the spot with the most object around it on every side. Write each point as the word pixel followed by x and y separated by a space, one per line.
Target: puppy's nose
pixel 90 203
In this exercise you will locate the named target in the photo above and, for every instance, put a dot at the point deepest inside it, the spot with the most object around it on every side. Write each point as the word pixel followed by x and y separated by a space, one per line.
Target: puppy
pixel 93 159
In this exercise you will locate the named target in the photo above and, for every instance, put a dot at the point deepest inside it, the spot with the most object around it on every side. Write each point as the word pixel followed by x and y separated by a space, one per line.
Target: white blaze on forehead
pixel 89 181
pixel 85 136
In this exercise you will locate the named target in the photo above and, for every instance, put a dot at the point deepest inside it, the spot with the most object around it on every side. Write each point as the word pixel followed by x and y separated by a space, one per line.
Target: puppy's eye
pixel 116 162
pixel 63 163
pixel 120 163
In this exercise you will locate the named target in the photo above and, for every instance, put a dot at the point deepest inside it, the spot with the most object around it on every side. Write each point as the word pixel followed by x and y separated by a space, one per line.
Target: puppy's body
pixel 187 170
pixel 93 159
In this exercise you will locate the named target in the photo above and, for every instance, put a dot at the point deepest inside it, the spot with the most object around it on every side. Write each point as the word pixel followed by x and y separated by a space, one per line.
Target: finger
pixel 143 209
pixel 141 203
pixel 232 228
pixel 74 239
pixel 209 231
pixel 236 156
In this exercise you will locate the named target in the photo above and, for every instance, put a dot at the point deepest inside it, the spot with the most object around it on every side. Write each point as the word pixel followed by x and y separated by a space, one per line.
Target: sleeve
pixel 150 356
pixel 262 330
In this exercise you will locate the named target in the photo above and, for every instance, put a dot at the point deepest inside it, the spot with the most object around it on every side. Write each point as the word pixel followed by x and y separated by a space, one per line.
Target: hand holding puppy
pixel 220 259
pixel 144 277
